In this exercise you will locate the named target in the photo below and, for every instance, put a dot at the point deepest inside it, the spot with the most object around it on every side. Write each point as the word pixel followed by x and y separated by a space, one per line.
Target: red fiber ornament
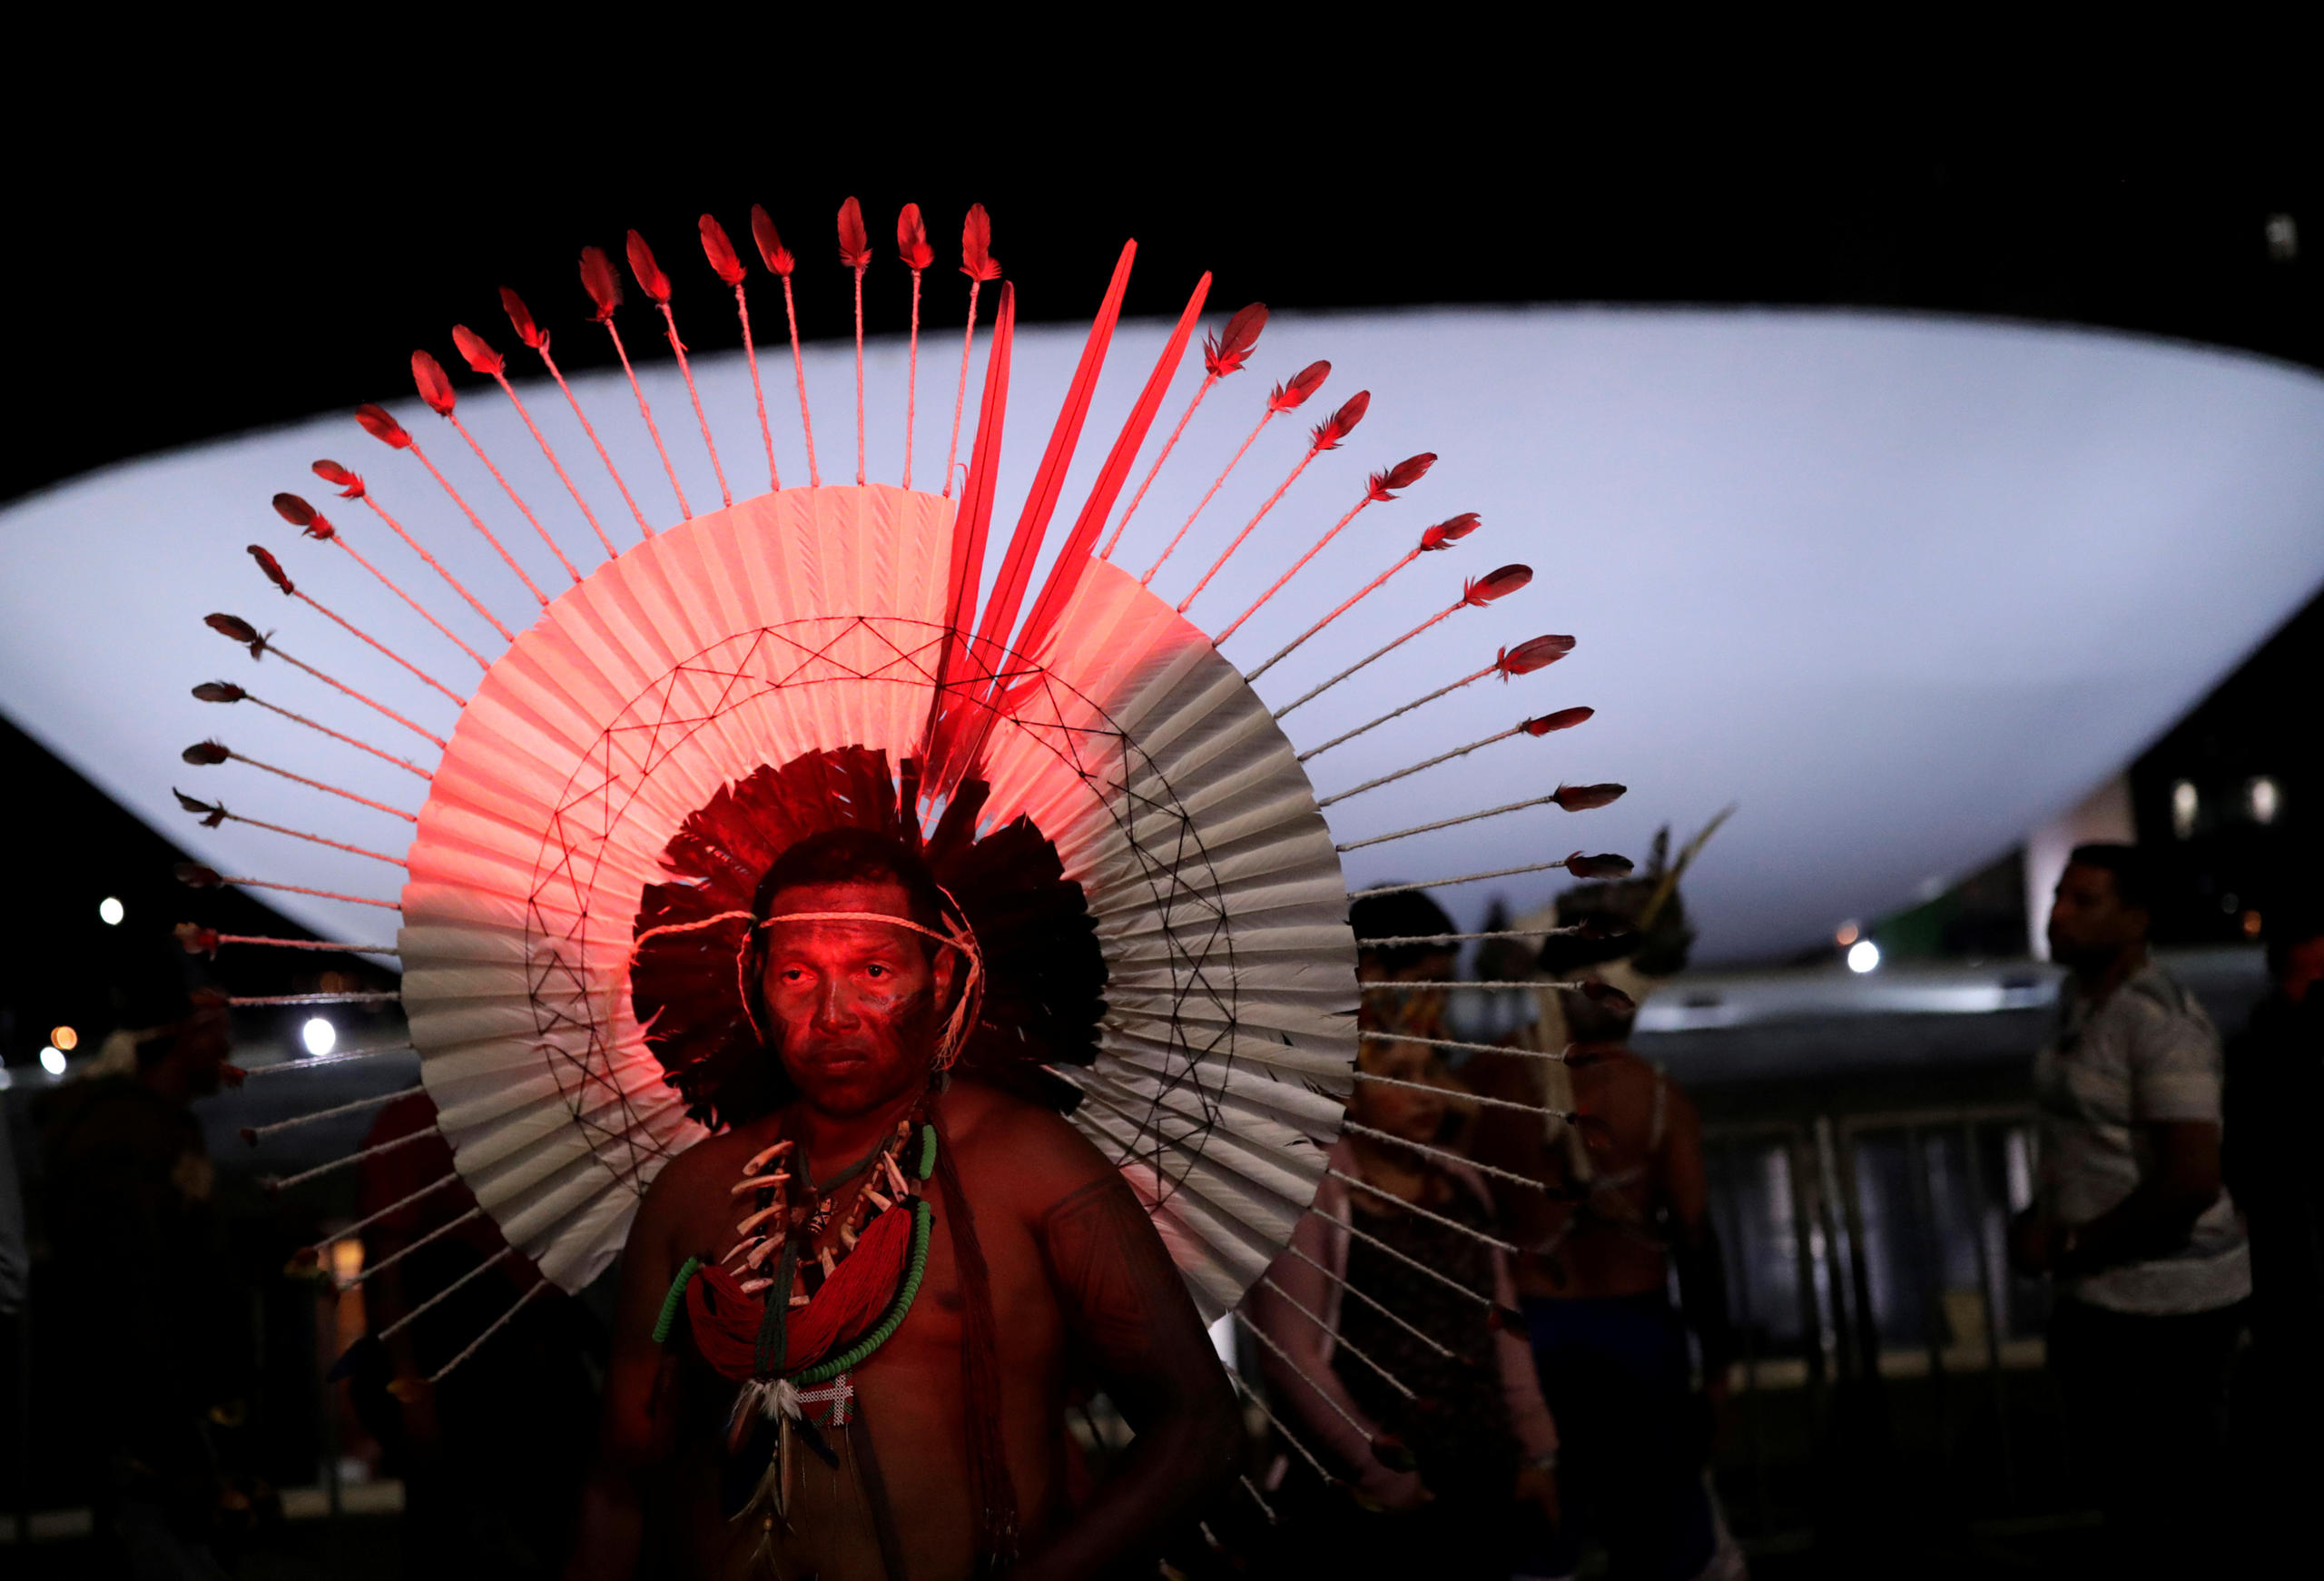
pixel 854 246
pixel 382 427
pixel 206 754
pixel 976 260
pixel 197 939
pixel 1497 584
pixel 598 278
pixel 194 875
pixel 911 239
pixel 220 692
pixel 273 569
pixel 721 253
pixel 427 375
pixel 348 484
pixel 236 629
pixel 1403 475
pixel 650 278
pixel 770 248
pixel 1563 719
pixel 1528 657
pixel 1605 864
pixel 211 814
pixel 520 319
pixel 476 352
pixel 1303 384
pixel 1328 433
pixel 1227 351
pixel 1450 531
pixel 1582 798
pixel 293 510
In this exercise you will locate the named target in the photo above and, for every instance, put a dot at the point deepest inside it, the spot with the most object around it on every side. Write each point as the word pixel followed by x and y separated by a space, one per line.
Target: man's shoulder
pixel 2154 1003
pixel 1032 1153
pixel 720 1155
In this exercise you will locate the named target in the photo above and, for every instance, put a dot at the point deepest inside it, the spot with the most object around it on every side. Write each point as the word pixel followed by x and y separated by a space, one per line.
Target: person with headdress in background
pixel 1626 1205
pixel 1453 1463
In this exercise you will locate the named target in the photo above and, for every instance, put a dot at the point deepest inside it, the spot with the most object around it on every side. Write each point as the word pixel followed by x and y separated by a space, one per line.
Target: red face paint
pixel 854 1004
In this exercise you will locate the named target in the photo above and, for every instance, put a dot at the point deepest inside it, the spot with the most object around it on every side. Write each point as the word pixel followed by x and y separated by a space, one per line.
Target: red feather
pixel 212 812
pixel 1065 572
pixel 476 352
pixel 650 278
pixel 382 427
pixel 302 515
pixel 598 278
pixel 1497 584
pixel 770 248
pixel 976 260
pixel 720 252
pixel 1451 531
pixel 854 246
pixel 273 569
pixel 1563 719
pixel 236 629
pixel 520 318
pixel 220 692
pixel 348 484
pixel 1528 657
pixel 434 389
pixel 1580 798
pixel 194 875
pixel 1227 351
pixel 911 239
pixel 197 939
pixel 1004 606
pixel 1403 475
pixel 1603 865
pixel 206 754
pixel 1341 423
pixel 1304 383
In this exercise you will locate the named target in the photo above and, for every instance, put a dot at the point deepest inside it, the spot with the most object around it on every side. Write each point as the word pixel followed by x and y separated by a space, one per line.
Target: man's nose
pixel 835 1006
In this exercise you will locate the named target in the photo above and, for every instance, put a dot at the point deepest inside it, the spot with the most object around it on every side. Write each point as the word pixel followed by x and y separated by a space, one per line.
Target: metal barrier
pixel 1876 1311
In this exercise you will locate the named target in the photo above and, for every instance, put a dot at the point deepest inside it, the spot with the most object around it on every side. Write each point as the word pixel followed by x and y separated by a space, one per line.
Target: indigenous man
pixel 944 1453
pixel 1627 1205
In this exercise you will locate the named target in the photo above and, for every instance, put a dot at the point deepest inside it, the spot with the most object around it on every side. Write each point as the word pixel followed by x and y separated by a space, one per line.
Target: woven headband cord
pixel 966 1006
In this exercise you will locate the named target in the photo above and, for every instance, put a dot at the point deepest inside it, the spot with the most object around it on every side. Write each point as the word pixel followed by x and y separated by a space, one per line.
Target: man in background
pixel 151 1317
pixel 2132 1223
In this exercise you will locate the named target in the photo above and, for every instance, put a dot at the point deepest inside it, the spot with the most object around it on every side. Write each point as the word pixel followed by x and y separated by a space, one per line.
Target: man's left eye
pixel 878 971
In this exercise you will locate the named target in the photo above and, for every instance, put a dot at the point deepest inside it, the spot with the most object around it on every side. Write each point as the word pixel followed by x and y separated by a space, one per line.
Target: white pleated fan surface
pixel 811 620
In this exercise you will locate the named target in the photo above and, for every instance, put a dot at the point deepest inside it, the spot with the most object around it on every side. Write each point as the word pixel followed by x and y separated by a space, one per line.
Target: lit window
pixel 320 1036
pixel 2263 798
pixel 51 1060
pixel 1863 955
pixel 2185 803
pixel 110 911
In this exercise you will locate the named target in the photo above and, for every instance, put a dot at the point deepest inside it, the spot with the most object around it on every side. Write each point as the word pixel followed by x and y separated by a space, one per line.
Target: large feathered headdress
pixel 1128 833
